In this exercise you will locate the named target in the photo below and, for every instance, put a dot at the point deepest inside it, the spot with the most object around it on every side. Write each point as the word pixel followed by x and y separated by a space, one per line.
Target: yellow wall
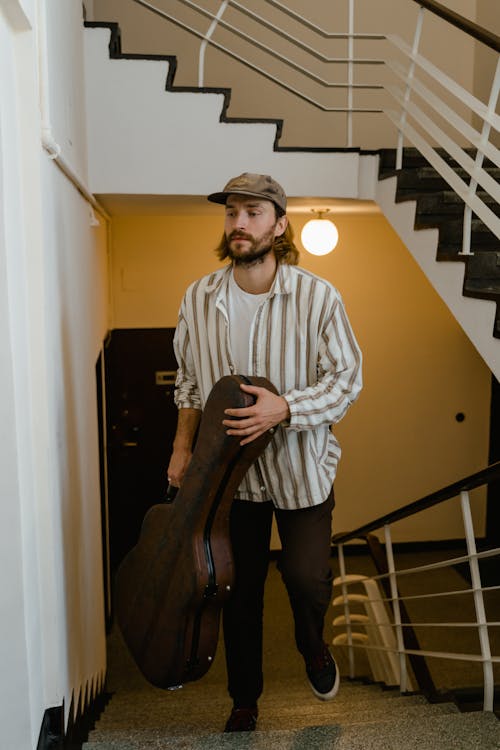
pixel 401 439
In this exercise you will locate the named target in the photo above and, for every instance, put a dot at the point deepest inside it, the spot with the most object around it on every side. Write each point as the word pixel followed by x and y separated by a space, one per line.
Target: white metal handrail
pixel 480 623
pixel 409 119
pixel 479 139
pixel 216 20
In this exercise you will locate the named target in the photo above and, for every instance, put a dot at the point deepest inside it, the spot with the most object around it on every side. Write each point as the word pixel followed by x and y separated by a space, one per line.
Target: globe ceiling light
pixel 319 236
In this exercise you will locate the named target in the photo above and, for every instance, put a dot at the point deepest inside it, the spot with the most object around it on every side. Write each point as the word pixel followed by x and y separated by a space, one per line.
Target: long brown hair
pixel 283 247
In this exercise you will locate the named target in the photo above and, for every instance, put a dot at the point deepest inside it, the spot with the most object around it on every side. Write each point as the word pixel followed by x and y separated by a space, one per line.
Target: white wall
pixel 76 325
pixel 21 684
pixel 53 317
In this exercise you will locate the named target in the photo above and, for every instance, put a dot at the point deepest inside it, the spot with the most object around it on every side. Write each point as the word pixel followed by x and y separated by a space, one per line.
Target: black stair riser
pixel 427 182
pixel 484 266
pixel 413 159
pixel 441 198
pixel 434 203
pixel 486 294
pixel 454 252
pixel 454 224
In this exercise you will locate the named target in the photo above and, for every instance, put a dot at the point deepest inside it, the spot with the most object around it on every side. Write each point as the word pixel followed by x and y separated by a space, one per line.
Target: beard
pixel 256 252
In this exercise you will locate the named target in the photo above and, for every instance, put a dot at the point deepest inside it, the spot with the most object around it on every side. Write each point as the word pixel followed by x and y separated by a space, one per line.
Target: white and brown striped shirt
pixel 301 341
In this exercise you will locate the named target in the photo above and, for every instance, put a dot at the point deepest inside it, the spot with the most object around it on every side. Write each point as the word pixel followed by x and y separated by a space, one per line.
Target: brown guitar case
pixel 171 586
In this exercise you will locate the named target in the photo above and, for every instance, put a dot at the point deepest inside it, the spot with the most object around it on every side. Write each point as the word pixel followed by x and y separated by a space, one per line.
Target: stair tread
pixel 291 718
pixel 140 711
pixel 480 731
pixel 293 713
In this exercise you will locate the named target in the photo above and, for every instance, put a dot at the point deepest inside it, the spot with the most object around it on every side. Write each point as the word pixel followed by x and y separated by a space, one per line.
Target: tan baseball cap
pixel 258 185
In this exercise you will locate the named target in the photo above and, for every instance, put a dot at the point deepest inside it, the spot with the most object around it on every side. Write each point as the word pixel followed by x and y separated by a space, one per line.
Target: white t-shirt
pixel 242 307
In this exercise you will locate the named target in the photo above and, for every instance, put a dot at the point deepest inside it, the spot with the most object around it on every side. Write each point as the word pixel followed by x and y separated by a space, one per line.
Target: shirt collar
pixel 282 283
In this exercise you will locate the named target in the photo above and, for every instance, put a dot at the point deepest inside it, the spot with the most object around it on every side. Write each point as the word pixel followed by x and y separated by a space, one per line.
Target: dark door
pixel 141 418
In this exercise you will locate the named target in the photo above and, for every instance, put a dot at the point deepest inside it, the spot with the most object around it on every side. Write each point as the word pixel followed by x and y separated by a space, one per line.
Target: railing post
pixel 485 135
pixel 409 79
pixel 347 613
pixel 350 74
pixel 482 624
pixel 206 39
pixel 403 677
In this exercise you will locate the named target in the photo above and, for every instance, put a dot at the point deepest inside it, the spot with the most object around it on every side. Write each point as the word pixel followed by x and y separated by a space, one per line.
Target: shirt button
pixel 262 489
pixel 231 369
pixel 271 431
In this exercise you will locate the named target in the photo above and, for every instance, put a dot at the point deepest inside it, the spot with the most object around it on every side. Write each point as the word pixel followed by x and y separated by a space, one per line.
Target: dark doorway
pixel 141 418
pixel 99 373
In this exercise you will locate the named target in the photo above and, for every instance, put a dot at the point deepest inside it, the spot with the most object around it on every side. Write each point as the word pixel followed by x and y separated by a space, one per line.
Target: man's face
pixel 250 227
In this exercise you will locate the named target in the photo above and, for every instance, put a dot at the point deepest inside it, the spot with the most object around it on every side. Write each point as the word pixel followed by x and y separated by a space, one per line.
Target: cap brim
pixel 222 197
pixel 217 197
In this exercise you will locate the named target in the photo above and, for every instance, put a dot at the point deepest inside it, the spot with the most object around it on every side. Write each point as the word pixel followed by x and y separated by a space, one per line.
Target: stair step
pixel 482 240
pixel 482 290
pixel 478 731
pixel 446 203
pixel 413 159
pixel 484 266
pixel 455 224
pixel 427 179
pixel 157 709
pixel 281 716
pixel 452 251
pixel 298 716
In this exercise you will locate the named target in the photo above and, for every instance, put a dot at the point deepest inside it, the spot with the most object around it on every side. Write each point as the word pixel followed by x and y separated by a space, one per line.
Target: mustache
pixel 238 235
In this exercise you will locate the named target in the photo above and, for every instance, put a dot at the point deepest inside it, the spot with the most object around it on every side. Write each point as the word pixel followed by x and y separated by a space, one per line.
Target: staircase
pixel 439 207
pixel 432 239
pixel 362 716
pixel 140 717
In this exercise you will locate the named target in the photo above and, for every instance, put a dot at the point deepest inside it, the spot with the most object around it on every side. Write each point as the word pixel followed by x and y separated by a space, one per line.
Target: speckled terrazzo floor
pixel 362 717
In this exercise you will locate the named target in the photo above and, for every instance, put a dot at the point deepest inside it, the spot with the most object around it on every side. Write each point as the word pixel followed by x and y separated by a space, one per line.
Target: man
pixel 262 315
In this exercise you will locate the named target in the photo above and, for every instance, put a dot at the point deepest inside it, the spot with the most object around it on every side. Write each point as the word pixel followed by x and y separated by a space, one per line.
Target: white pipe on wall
pixel 49 143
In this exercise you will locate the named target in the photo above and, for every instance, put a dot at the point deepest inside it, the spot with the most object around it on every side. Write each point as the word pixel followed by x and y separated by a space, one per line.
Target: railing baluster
pixel 350 73
pixel 403 676
pixel 347 613
pixel 409 79
pixel 206 39
pixel 485 135
pixel 481 620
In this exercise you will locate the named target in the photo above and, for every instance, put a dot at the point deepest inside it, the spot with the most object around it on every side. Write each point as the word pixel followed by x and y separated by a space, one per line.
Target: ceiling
pixel 178 205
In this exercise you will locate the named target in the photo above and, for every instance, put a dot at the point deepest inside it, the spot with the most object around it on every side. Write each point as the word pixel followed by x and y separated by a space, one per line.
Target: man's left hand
pixel 249 422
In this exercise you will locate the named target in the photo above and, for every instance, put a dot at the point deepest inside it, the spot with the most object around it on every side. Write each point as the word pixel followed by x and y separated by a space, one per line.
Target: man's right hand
pixel 179 461
pixel 187 424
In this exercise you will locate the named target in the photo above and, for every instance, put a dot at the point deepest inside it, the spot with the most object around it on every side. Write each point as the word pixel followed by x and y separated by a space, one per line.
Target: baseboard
pixel 52 730
pixel 52 735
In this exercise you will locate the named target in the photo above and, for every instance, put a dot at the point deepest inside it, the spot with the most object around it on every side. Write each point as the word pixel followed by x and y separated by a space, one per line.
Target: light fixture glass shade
pixel 319 236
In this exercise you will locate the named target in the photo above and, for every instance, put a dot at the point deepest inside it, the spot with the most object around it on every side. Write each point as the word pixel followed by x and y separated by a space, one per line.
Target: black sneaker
pixel 323 674
pixel 242 720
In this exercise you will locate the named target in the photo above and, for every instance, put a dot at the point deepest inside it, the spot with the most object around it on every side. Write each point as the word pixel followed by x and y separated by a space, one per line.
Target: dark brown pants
pixel 304 563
